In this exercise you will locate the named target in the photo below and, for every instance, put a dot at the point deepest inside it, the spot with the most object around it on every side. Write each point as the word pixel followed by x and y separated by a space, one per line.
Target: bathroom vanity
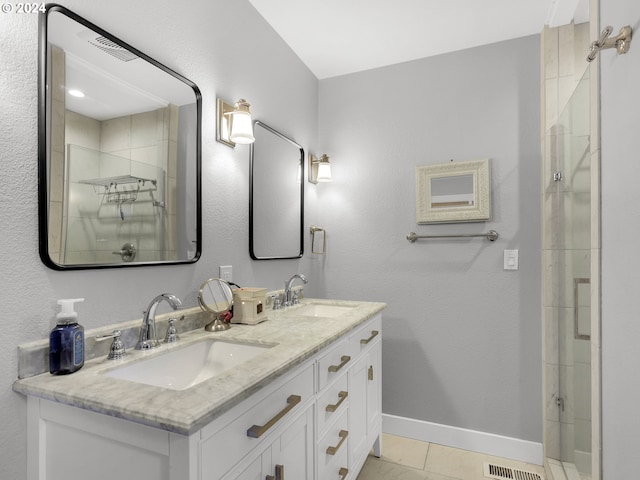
pixel 307 406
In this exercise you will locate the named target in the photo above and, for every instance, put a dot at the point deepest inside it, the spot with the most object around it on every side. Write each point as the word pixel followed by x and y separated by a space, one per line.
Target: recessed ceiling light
pixel 76 93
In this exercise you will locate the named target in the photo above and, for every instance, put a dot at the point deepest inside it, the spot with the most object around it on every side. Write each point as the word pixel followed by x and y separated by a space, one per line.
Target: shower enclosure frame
pixel 552 90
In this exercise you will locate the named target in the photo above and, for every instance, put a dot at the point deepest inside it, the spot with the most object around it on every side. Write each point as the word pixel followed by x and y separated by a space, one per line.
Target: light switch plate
pixel 511 259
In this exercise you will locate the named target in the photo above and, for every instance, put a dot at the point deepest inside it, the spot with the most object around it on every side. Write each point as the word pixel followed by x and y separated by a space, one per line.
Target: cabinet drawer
pixel 333 449
pixel 228 445
pixel 366 335
pixel 335 362
pixel 337 469
pixel 332 402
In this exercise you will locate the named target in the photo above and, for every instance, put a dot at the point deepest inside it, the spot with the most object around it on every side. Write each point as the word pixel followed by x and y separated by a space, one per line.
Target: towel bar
pixel 490 235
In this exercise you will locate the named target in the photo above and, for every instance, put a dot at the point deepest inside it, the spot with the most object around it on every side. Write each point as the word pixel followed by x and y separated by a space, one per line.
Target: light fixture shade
pixel 241 125
pixel 319 169
pixel 234 123
pixel 241 128
pixel 324 172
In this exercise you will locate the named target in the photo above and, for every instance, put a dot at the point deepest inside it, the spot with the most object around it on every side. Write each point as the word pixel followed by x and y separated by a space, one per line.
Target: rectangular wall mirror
pixel 119 151
pixel 276 195
pixel 453 192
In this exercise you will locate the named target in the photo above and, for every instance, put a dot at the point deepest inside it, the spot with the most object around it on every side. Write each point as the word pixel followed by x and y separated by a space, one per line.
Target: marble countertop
pixel 295 338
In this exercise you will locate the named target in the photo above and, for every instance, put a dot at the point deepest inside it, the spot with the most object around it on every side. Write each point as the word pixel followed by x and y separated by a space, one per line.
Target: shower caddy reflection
pixel 123 189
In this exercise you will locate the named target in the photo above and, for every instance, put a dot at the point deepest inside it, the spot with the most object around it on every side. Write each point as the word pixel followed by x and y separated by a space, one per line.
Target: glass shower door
pixel 571 190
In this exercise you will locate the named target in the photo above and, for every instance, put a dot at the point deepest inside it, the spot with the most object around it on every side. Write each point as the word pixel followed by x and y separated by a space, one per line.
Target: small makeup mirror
pixel 215 297
pixel 453 192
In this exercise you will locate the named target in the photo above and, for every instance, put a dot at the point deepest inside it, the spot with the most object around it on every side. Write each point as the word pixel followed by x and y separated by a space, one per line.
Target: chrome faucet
pixel 148 338
pixel 287 288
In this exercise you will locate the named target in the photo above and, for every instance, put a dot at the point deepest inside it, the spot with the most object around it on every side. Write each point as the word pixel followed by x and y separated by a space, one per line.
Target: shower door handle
pixel 576 333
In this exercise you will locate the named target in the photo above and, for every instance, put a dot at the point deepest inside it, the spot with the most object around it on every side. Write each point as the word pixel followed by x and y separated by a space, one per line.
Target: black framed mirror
pixel 119 152
pixel 276 195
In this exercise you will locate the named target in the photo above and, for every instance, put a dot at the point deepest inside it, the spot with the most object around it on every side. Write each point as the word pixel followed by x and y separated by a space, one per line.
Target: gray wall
pixel 620 144
pixel 199 40
pixel 462 342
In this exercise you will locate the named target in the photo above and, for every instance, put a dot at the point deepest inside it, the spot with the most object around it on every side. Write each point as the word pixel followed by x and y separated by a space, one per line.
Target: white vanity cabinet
pixel 316 422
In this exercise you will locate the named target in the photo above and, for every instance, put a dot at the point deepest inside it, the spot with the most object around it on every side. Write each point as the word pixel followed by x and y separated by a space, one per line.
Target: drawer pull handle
pixel 374 334
pixel 279 472
pixel 341 395
pixel 256 431
pixel 343 436
pixel 344 360
pixel 343 472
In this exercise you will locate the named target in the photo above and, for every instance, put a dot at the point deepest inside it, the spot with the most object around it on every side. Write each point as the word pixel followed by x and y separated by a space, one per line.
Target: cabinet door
pixel 66 442
pixel 289 456
pixel 292 452
pixel 252 472
pixel 358 415
pixel 364 404
pixel 374 389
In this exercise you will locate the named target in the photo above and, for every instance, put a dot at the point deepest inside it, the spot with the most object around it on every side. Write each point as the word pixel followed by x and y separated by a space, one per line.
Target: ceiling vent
pixel 107 46
pixel 500 472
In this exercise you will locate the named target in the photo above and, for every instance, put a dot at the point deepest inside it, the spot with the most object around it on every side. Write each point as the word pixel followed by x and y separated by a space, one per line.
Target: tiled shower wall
pixel 148 138
pixel 56 125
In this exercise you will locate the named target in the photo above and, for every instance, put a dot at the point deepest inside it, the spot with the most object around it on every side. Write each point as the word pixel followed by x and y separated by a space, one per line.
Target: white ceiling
pixel 113 88
pixel 336 37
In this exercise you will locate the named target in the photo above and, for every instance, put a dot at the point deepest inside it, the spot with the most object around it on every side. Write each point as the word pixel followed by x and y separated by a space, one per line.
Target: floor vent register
pixel 500 472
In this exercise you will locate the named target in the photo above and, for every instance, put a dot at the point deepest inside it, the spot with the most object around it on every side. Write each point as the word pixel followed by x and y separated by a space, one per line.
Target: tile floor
pixel 566 471
pixel 407 459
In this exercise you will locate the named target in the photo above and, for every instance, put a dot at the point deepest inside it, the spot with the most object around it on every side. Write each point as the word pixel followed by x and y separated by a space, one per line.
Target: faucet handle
pixel 172 333
pixel 295 300
pixel 116 351
pixel 276 301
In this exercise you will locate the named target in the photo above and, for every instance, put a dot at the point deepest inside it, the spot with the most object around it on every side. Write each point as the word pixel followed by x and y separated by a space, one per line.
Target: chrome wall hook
pixel 621 42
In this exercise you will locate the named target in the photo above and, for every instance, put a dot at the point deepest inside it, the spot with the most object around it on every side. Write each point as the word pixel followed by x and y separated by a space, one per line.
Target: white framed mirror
pixel 453 192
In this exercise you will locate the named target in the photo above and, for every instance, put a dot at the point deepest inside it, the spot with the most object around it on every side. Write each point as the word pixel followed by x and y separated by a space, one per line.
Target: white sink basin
pixel 323 310
pixel 181 368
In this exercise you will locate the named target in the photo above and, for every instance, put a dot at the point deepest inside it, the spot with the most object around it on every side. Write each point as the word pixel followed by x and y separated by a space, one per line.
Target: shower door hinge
pixel 557 176
pixel 560 403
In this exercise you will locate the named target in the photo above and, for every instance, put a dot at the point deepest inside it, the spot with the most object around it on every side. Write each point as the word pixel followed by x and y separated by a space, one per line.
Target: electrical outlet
pixel 226 273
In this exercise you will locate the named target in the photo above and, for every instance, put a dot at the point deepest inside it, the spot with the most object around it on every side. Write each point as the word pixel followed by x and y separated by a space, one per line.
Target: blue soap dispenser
pixel 66 341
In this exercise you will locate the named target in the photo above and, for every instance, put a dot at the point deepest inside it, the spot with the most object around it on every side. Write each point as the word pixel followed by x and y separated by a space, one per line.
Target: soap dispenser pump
pixel 66 341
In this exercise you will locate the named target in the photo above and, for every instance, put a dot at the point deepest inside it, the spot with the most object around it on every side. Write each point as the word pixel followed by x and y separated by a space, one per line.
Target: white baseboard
pixel 480 442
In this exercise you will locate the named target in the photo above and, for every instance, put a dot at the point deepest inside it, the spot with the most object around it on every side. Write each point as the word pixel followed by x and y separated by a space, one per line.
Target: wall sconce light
pixel 319 169
pixel 234 123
